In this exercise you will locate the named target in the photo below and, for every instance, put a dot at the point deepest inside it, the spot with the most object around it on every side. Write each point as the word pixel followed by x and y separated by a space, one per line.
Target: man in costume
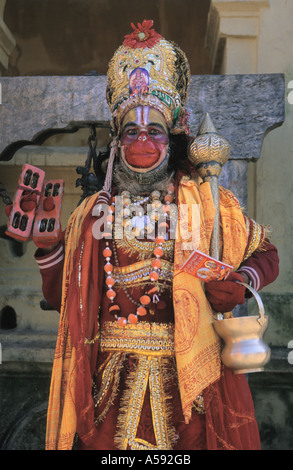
pixel 137 362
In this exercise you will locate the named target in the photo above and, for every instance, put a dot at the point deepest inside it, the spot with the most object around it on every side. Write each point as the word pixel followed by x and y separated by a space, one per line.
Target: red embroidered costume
pixel 137 362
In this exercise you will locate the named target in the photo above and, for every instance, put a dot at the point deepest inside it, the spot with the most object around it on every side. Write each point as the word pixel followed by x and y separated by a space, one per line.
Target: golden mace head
pixel 209 151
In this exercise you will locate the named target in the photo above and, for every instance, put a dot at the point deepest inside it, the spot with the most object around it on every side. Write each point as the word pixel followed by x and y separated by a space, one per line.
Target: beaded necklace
pixel 152 295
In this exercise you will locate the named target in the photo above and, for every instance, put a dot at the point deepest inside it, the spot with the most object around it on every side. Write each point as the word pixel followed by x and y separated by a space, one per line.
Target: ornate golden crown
pixel 148 70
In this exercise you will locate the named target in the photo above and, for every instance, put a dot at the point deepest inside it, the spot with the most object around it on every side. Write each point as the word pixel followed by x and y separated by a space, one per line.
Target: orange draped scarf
pixel 74 362
pixel 197 345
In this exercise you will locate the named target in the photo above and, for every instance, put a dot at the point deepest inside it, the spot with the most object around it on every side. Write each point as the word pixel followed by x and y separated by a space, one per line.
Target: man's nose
pixel 142 137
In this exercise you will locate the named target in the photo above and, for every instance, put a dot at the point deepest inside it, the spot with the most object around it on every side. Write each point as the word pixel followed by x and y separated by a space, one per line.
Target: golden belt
pixel 155 339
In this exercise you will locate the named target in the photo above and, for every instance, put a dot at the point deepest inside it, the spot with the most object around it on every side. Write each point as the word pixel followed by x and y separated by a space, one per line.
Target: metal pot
pixel 244 350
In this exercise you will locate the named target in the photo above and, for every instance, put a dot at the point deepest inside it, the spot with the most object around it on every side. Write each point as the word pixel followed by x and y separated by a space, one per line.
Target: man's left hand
pixel 225 295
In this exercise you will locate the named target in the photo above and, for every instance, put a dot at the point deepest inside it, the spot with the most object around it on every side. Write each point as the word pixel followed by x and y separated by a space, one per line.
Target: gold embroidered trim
pixel 140 265
pixel 132 403
pixel 159 405
pixel 140 444
pixel 144 249
pixel 153 346
pixel 149 371
pixel 142 338
pixel 138 273
pixel 257 231
pixel 110 376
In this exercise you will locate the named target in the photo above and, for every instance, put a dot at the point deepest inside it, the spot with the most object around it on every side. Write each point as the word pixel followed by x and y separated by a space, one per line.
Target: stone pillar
pixel 7 41
pixel 232 36
pixel 232 43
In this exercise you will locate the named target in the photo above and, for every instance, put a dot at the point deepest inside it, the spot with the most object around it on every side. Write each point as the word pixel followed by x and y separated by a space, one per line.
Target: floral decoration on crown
pixel 142 36
pixel 148 70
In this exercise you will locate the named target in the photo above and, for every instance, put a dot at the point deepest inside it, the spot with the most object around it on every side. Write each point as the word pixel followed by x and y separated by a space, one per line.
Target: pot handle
pixel 261 309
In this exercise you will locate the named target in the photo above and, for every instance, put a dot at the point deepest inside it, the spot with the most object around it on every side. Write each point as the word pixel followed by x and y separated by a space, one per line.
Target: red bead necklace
pixel 146 299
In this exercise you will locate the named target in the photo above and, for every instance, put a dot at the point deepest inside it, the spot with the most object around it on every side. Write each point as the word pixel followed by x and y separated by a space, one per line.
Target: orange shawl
pixel 74 362
pixel 197 345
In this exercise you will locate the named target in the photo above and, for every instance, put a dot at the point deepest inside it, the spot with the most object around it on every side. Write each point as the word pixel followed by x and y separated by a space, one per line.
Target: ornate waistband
pixel 155 339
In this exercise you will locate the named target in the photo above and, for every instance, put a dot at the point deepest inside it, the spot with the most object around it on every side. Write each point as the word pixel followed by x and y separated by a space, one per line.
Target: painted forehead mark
pixel 144 116
pixel 139 116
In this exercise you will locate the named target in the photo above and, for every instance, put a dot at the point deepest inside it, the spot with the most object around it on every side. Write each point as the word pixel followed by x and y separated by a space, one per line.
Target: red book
pixel 205 267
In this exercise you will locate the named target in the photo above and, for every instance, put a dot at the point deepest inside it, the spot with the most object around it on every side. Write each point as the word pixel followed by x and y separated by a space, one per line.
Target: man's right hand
pixel 28 203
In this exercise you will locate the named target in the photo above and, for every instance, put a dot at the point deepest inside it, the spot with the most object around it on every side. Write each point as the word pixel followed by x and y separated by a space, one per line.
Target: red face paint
pixel 144 140
pixel 144 152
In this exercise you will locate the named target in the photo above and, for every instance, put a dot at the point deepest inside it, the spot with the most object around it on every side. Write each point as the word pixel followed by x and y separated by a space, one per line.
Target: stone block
pixel 239 26
pixel 24 392
pixel 273 399
pixel 243 107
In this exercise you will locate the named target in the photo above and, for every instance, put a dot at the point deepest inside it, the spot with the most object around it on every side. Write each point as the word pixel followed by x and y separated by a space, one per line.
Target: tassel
pixel 105 194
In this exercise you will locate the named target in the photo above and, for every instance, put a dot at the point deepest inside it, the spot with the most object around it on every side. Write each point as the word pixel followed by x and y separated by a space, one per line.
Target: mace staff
pixel 208 153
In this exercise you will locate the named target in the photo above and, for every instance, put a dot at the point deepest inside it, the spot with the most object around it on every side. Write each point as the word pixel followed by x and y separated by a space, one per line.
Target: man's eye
pixel 131 131
pixel 154 131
